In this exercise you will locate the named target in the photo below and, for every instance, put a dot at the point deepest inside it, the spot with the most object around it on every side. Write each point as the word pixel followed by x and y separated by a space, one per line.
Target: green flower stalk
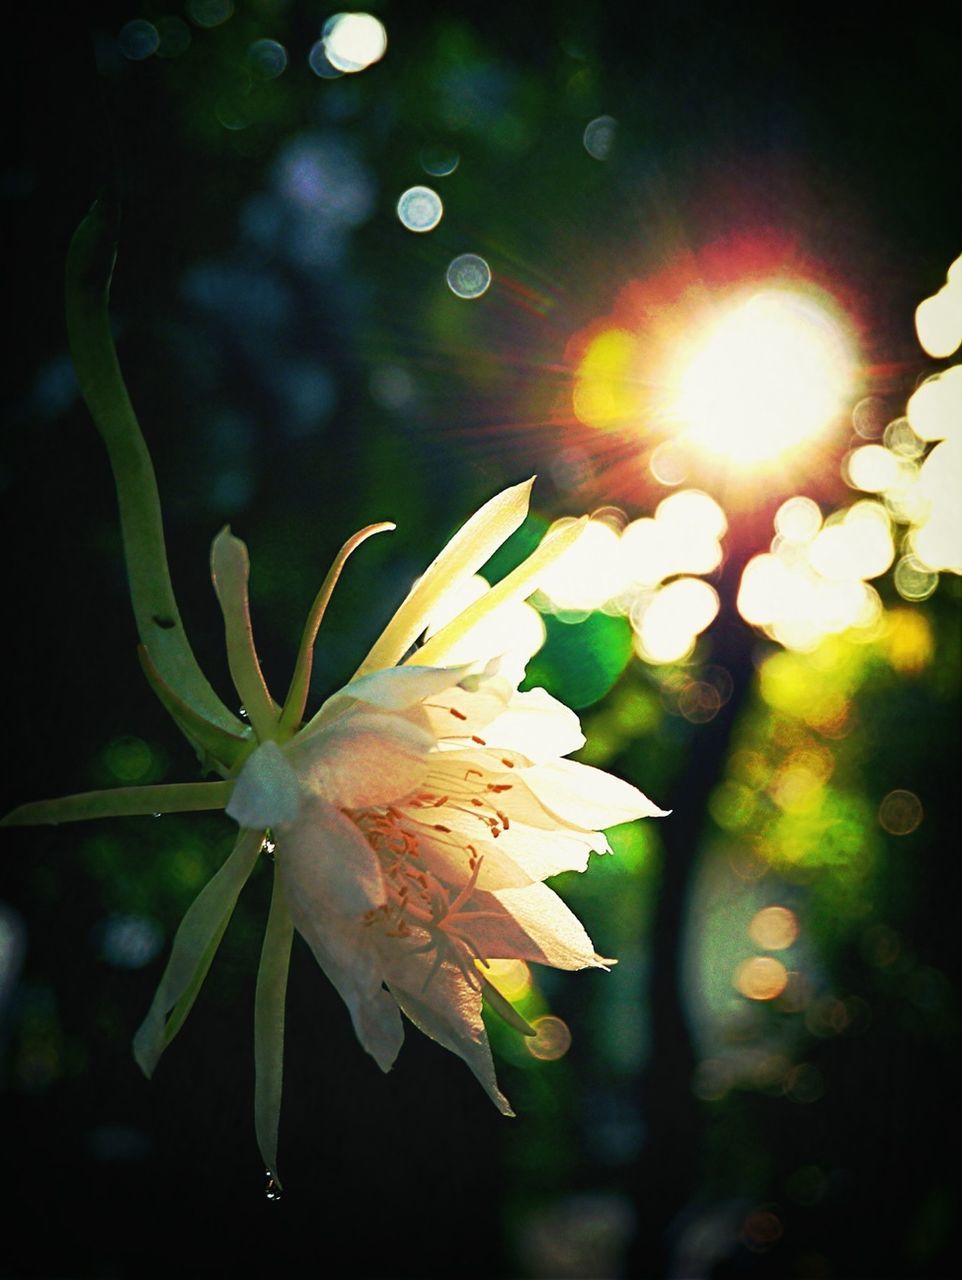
pixel 90 262
pixel 414 817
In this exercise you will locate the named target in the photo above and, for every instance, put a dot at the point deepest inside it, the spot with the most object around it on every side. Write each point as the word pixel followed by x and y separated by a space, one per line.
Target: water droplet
pixel 268 847
pixel 271 1190
pixel 156 815
pixel 242 712
pixel 468 276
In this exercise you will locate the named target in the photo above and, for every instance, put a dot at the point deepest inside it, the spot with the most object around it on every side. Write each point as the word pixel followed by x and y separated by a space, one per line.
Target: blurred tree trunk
pixel 669 1169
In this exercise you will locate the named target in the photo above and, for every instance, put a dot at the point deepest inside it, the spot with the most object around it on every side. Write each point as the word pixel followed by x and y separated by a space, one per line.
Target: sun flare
pixel 772 374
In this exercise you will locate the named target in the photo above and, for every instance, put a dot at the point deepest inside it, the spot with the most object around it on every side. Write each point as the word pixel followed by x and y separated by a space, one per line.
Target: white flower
pixel 415 817
pixel 415 823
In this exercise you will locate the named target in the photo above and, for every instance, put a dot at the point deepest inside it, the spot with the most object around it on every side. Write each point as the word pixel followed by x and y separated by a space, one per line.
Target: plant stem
pixel 90 262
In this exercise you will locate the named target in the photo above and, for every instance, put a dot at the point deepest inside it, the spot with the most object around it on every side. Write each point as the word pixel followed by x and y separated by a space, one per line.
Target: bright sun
pixel 771 374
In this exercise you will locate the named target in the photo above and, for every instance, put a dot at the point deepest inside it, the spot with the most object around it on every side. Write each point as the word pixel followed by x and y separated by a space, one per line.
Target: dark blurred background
pixel 302 368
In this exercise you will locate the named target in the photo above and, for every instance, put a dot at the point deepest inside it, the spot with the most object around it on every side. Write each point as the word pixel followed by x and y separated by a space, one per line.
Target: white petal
pixel 449 1011
pixel 347 955
pixel 537 725
pixel 328 865
pixel 378 1026
pixel 344 948
pixel 543 853
pixel 266 792
pixel 463 556
pixel 586 797
pixel 521 854
pixel 533 924
pixel 448 858
pixel 496 777
pixel 467 709
pixel 393 689
pixel 362 759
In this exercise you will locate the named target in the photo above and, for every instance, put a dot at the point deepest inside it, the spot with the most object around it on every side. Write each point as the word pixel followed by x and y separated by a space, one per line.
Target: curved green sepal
pixel 90 261
pixel 122 802
pixel 296 699
pixel 269 1027
pixel 230 570
pixel 504 1008
pixel 195 944
pixel 216 748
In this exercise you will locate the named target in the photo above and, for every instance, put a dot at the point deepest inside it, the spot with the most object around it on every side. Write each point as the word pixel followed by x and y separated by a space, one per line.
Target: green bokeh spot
pixel 630 849
pixel 130 760
pixel 522 543
pixel 581 661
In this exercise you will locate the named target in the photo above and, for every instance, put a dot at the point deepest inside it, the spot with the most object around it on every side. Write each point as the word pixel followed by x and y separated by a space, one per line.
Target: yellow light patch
pixel 604 395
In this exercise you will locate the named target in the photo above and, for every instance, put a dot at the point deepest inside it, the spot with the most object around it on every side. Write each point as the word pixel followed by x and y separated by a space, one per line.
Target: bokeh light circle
pixel 761 1229
pixel 438 160
pixel 670 464
pixel 798 520
pixel 934 410
pixel 552 1039
pixel 267 58
pixel 174 36
pixel 468 275
pixel 869 418
pixel 773 928
pixel 900 813
pixel 914 580
pixel 420 209
pixel 901 439
pixel 938 319
pixel 871 468
pixel 354 41
pixel 761 978
pixel 669 623
pixel 319 62
pixel 699 701
pixel 512 978
pixel 599 137
pixel 209 13
pixel 138 40
pixel 804 1084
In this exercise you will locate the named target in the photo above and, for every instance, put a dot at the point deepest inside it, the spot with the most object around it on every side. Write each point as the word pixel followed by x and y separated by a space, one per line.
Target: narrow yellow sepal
pixel 468 550
pixel 518 585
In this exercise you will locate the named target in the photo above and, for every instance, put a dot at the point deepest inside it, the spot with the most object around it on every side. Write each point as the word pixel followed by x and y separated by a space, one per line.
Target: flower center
pixel 418 907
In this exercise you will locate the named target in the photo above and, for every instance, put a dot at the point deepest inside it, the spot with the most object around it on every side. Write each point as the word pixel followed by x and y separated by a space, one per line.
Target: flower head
pixel 415 824
pixel 414 818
